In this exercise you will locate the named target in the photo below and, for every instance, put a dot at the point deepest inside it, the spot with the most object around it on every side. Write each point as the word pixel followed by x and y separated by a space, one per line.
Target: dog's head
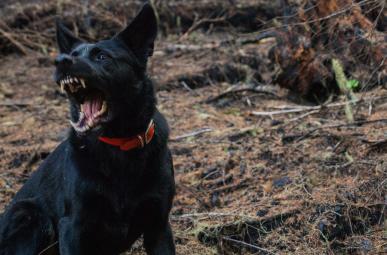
pixel 105 80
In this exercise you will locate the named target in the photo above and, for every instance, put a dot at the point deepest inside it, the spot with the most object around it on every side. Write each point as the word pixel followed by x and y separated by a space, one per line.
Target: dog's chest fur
pixel 116 183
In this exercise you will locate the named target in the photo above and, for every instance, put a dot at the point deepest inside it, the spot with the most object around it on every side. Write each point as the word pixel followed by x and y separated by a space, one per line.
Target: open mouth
pixel 91 102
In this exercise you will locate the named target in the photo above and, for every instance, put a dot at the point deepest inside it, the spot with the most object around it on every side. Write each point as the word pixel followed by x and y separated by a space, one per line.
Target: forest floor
pixel 258 171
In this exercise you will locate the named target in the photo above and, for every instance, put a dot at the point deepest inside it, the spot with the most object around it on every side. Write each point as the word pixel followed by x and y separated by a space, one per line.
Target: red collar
pixel 138 141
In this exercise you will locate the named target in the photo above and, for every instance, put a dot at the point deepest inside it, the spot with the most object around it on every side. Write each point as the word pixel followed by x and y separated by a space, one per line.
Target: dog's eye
pixel 101 57
pixel 75 53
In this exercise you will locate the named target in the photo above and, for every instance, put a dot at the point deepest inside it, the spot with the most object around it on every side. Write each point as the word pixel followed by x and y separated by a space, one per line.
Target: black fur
pixel 97 198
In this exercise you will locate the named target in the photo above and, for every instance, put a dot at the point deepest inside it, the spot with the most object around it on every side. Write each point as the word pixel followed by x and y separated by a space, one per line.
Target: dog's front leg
pixel 159 241
pixel 68 238
pixel 74 239
pixel 79 236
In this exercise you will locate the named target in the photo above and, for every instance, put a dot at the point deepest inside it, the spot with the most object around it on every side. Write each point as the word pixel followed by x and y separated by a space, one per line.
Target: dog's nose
pixel 64 60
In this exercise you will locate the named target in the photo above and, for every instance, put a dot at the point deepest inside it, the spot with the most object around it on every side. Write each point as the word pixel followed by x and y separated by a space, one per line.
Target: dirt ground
pixel 258 169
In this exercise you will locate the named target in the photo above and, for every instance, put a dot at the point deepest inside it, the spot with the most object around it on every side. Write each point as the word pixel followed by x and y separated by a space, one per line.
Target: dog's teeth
pixel 85 127
pixel 75 79
pixel 71 80
pixel 75 125
pixel 90 124
pixel 83 83
pixel 102 111
pixel 82 108
pixel 104 107
pixel 80 129
pixel 62 87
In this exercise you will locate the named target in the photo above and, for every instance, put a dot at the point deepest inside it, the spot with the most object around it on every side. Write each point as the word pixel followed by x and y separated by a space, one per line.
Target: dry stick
pixel 377 17
pixel 301 109
pixel 190 47
pixel 15 103
pixel 381 215
pixel 13 41
pixel 311 108
pixel 373 73
pixel 281 112
pixel 303 115
pixel 340 125
pixel 248 245
pixel 212 214
pixel 232 91
pixel 199 23
pixel 194 133
pixel 49 247
pixel 185 85
pixel 214 45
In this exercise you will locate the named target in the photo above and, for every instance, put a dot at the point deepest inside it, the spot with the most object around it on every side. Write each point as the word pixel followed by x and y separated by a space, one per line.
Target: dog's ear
pixel 141 33
pixel 65 39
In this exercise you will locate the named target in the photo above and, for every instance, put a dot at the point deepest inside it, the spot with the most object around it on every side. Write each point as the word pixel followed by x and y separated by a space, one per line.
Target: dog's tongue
pixel 92 105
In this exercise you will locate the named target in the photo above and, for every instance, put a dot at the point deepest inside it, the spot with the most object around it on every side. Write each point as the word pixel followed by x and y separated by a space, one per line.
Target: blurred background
pixel 278 112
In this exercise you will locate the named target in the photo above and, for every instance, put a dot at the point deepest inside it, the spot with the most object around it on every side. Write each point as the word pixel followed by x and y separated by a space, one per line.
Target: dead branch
pixel 15 103
pixel 194 133
pixel 49 248
pixel 231 187
pixel 238 89
pixel 218 182
pixel 10 38
pixel 199 23
pixel 356 123
pixel 248 245
pixel 212 214
pixel 303 115
pixel 297 109
pixel 185 85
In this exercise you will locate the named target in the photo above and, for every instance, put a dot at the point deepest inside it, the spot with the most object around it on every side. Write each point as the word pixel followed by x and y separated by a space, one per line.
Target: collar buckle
pixel 149 132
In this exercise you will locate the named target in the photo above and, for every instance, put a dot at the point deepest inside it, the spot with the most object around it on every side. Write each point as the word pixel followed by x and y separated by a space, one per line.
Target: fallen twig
pixel 303 115
pixel 302 108
pixel 48 248
pixel 191 47
pixel 280 112
pixel 356 123
pixel 194 133
pixel 212 214
pixel 233 90
pixel 10 38
pixel 185 85
pixel 15 103
pixel 248 245
pixel 231 187
pixel 200 22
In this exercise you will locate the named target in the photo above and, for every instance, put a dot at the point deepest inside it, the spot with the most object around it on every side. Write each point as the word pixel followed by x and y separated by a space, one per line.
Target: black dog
pixel 112 180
